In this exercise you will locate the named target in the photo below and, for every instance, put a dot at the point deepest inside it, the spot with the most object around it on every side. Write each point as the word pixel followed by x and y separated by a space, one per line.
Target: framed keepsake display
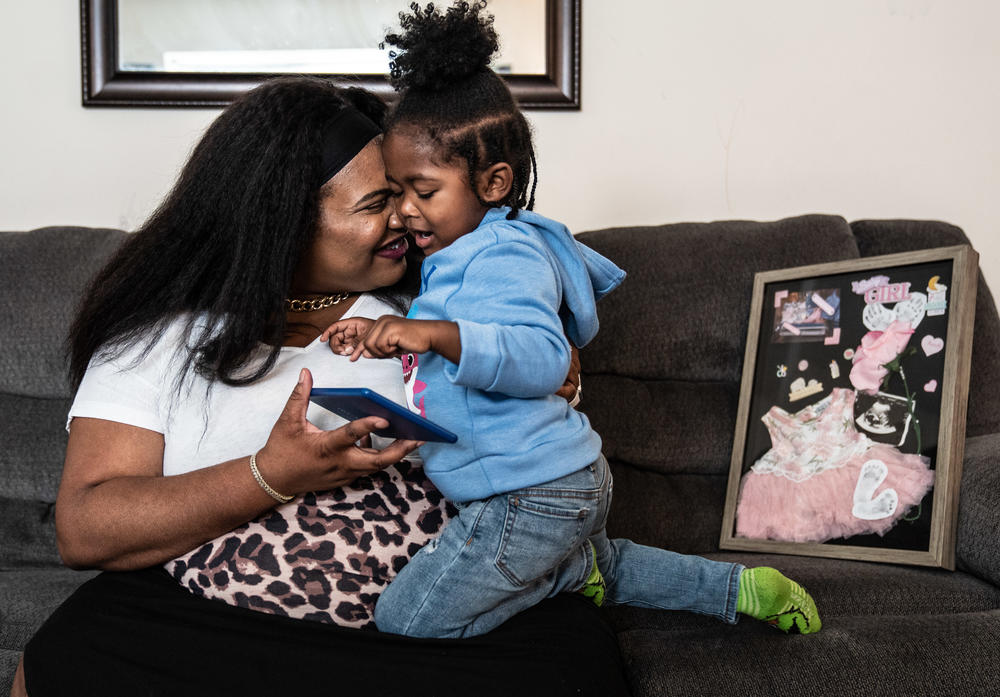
pixel 851 424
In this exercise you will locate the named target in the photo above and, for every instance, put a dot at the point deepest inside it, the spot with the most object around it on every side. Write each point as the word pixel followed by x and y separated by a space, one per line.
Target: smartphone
pixel 354 403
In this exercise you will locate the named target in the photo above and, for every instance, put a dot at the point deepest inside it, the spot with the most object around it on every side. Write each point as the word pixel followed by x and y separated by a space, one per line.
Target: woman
pixel 184 351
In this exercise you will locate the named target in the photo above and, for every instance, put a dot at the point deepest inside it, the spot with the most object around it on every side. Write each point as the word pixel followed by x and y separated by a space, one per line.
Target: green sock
pixel 594 587
pixel 766 594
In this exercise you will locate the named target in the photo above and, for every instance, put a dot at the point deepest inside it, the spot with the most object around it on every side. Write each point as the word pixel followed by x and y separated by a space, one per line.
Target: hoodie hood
pixel 585 275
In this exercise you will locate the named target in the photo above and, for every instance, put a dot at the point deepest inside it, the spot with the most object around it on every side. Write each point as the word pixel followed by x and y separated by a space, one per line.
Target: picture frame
pixel 850 429
pixel 106 84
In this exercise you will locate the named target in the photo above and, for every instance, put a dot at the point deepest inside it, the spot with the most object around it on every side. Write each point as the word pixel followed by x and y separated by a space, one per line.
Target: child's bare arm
pixel 344 335
pixel 394 336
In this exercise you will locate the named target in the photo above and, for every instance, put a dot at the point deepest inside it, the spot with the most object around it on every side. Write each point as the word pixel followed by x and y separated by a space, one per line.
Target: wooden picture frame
pixel 105 84
pixel 850 431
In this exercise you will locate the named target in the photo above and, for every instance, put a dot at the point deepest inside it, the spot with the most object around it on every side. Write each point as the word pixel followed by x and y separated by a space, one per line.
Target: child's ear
pixel 494 183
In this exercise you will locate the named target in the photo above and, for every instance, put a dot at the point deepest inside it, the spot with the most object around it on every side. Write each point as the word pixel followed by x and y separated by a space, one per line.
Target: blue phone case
pixel 358 402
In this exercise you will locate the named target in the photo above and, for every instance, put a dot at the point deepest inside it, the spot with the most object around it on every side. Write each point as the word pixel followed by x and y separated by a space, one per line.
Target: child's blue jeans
pixel 503 554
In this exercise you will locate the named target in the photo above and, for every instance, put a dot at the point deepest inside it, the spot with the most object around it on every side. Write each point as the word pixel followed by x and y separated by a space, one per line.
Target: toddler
pixel 484 348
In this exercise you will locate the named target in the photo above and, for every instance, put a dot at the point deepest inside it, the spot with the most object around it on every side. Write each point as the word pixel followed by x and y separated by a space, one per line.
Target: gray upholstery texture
pixel 912 655
pixel 42 276
pixel 28 596
pixel 682 311
pixel 31 466
pixel 661 386
pixel 8 664
pixel 977 547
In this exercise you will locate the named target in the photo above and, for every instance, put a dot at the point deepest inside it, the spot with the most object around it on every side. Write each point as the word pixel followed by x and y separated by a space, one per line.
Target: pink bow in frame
pixel 877 349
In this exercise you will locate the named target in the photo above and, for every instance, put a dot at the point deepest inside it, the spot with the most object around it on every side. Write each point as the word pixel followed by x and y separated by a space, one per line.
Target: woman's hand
pixel 571 389
pixel 300 457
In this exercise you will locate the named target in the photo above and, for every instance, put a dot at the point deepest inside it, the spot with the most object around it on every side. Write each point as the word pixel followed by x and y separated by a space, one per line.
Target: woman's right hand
pixel 300 457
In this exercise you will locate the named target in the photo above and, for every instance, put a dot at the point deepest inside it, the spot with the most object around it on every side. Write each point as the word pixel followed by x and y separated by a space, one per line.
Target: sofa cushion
pixel 902 629
pixel 679 512
pixel 912 655
pixel 29 534
pixel 649 423
pixel 670 487
pixel 29 596
pixel 42 275
pixel 892 236
pixel 977 549
pixel 681 314
pixel 8 664
pixel 30 466
pixel 842 589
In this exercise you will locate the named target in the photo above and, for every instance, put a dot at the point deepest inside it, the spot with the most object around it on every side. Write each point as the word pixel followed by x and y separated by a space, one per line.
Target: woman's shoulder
pixel 129 380
pixel 157 344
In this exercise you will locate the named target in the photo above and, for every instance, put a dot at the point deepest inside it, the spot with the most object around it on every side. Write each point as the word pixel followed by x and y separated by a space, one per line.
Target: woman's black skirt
pixel 140 633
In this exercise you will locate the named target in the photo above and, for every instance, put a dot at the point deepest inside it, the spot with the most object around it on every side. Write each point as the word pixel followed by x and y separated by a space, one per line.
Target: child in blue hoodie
pixel 485 346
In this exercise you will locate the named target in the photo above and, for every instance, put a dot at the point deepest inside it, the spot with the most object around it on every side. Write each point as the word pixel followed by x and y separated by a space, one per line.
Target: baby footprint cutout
pixel 873 473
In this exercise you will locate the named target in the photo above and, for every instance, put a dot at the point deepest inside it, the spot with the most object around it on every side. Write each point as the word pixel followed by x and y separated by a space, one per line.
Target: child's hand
pixel 392 336
pixel 345 335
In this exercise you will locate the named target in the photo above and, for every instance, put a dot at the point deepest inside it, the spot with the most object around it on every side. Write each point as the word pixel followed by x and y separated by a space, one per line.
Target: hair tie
pixel 346 135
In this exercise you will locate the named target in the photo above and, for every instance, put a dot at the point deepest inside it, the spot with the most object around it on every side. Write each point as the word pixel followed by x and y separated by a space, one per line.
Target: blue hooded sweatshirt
pixel 516 289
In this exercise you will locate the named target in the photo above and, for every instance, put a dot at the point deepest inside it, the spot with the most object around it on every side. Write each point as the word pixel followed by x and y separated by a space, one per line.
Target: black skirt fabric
pixel 140 633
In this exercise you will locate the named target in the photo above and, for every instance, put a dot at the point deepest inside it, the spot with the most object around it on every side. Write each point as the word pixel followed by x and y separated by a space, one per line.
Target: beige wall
pixel 692 111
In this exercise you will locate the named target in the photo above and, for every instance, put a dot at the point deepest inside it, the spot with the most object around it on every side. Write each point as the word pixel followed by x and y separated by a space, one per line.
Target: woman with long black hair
pixel 277 526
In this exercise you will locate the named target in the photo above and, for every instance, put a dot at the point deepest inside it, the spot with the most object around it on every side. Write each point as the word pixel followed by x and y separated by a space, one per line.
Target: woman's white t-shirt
pixel 202 427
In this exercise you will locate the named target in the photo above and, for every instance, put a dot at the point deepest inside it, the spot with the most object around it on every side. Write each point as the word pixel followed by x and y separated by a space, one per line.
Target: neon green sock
pixel 766 594
pixel 594 587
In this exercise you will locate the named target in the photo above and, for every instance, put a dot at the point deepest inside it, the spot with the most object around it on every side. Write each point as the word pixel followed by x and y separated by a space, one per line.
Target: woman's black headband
pixel 346 135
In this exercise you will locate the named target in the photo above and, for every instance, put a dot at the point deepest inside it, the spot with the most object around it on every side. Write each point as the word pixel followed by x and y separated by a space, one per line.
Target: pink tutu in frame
pixel 823 480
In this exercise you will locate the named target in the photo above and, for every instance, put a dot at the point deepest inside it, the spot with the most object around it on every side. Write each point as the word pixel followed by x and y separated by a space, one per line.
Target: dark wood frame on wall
pixel 104 84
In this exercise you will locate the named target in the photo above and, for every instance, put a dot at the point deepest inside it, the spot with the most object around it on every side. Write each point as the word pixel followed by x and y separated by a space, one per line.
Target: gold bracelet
pixel 280 498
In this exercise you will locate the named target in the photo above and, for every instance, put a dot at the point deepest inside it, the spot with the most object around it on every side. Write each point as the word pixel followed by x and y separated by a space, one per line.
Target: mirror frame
pixel 104 84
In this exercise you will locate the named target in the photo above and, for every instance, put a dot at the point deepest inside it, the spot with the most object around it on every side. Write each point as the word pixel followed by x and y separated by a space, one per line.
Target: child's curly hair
pixel 450 93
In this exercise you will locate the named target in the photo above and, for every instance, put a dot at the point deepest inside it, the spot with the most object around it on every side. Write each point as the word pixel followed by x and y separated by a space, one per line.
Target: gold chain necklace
pixel 299 305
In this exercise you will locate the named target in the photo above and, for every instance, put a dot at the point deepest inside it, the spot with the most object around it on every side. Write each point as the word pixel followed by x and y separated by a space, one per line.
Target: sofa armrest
pixel 978 543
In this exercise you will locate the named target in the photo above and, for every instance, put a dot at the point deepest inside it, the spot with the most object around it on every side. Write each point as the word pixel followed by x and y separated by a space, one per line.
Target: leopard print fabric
pixel 324 557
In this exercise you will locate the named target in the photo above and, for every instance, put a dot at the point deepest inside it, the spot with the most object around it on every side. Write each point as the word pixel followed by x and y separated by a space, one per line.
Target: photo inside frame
pixel 806 316
pixel 884 417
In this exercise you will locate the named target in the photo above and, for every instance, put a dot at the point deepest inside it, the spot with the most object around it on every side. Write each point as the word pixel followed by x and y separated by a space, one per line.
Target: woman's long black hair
pixel 221 249
pixel 448 91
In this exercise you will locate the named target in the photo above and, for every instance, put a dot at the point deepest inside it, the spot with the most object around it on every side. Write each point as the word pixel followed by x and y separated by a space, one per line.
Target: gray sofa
pixel 669 353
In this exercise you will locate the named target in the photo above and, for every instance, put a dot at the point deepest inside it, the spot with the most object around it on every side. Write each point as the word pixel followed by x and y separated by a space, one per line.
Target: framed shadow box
pixel 851 424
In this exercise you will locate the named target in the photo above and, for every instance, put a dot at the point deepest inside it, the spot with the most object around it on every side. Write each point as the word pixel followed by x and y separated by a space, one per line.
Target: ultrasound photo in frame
pixel 851 422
